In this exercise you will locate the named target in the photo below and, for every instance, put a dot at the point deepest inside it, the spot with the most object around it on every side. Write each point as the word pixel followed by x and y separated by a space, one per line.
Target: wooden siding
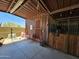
pixel 66 43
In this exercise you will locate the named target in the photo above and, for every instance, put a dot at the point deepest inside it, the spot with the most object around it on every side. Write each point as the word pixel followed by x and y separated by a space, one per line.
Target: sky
pixel 6 17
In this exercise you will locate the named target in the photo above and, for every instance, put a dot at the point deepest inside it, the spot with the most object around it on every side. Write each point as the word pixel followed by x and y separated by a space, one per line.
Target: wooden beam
pixel 26 11
pixel 4 1
pixel 29 8
pixel 32 4
pixel 67 18
pixel 16 6
pixel 65 9
pixel 45 6
pixel 26 15
pixel 9 8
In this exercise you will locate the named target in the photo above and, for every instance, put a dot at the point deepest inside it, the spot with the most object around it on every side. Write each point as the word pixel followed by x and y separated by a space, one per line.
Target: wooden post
pixel 67 42
pixel 11 33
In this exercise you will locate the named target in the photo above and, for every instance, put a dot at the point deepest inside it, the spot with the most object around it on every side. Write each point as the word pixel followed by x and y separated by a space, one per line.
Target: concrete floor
pixel 28 49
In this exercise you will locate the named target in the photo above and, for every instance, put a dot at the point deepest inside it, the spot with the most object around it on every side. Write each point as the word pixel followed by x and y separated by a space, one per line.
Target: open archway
pixel 12 27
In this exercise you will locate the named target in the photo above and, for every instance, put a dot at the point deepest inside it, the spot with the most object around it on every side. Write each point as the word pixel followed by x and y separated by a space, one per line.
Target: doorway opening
pixel 12 28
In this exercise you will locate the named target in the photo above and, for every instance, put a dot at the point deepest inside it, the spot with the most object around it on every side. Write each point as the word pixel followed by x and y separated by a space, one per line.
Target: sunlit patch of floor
pixel 12 40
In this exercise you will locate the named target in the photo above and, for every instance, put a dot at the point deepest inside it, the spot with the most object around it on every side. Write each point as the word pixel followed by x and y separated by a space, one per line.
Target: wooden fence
pixel 64 42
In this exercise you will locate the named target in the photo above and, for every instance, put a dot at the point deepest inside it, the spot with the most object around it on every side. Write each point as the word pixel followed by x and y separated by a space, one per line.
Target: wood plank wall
pixel 41 27
pixel 66 43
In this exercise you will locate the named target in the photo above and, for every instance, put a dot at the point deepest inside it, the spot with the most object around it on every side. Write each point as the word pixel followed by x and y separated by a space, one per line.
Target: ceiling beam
pixel 16 6
pixel 30 10
pixel 45 6
pixel 26 11
pixel 65 9
pixel 9 8
pixel 29 6
pixel 32 4
pixel 25 15
pixel 4 1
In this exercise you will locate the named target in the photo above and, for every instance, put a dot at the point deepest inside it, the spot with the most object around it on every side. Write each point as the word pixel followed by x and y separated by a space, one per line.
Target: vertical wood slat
pixel 66 3
pixel 61 43
pixel 50 40
pixel 37 29
pixel 54 5
pixel 60 2
pixel 77 50
pixel 73 2
pixel 65 38
pixel 58 42
pixel 72 44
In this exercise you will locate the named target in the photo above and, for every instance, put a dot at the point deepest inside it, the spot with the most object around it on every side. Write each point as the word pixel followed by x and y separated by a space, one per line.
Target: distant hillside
pixel 10 24
pixel 4 31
